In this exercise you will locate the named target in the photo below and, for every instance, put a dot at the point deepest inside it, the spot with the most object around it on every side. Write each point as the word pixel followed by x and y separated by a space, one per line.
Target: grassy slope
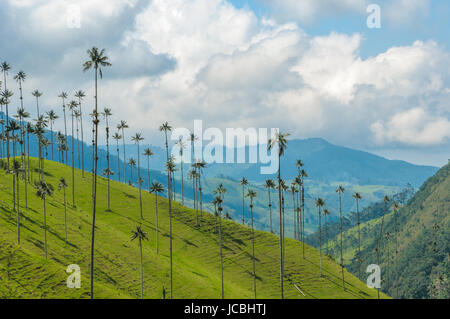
pixel 196 258
pixel 416 258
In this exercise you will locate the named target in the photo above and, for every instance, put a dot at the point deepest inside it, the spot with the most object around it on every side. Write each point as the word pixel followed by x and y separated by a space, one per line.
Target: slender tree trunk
pixel 118 159
pixel 359 240
pixel 170 219
pixel 82 138
pixel 142 270
pixel 107 161
pixel 320 240
pixel 73 165
pixel 18 210
pixel 270 212
pixel 124 157
pixel 65 127
pixel 303 220
pixel 220 247
pixel 148 173
pixel 281 229
pixel 65 216
pixel 243 205
pixel 342 254
pixel 94 192
pixel 157 227
pixel 253 248
pixel 139 180
pixel 45 229
pixel 182 182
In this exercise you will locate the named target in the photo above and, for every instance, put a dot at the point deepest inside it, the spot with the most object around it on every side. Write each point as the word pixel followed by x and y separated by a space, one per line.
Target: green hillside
pixel 423 243
pixel 24 272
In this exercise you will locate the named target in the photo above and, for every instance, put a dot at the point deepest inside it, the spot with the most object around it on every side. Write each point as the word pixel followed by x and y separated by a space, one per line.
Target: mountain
pixel 422 266
pixel 24 273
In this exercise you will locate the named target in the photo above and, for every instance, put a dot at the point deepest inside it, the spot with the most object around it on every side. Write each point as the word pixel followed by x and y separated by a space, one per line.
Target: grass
pixel 24 272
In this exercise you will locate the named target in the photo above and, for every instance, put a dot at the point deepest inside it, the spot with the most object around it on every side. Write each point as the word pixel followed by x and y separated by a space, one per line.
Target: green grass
pixel 195 256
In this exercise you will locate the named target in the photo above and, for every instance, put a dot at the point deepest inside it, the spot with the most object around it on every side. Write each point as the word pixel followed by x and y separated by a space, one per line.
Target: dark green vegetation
pixel 416 263
pixel 24 271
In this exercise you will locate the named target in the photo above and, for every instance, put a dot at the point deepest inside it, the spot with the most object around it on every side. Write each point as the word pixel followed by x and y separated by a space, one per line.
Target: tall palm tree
pixel 132 163
pixel 80 95
pixel 97 60
pixel 63 185
pixel 156 189
pixel 340 190
pixel 387 237
pixel 386 201
pixel 63 96
pixel 293 190
pixel 200 165
pixel 357 196
pixel 20 78
pixel 37 95
pixel 29 130
pixel 303 175
pixel 137 138
pixel 165 127
pixel 252 194
pixel 77 114
pixel 220 191
pixel 117 137
pixel 106 114
pixel 217 202
pixel 192 175
pixel 326 212
pixel 42 191
pixel 51 118
pixel 72 107
pixel 243 182
pixel 279 144
pixel 319 204
pixel 6 95
pixel 181 146
pixel 148 152
pixel 22 115
pixel 269 185
pixel 141 235
pixel 122 126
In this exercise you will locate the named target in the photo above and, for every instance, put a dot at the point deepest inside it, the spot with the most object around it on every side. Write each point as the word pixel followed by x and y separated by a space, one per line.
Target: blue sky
pixel 312 68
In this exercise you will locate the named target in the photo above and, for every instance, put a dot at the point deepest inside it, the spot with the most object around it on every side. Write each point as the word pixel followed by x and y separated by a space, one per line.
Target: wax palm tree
pixel 37 95
pixel 340 190
pixel 192 139
pixel 269 185
pixel 141 235
pixel 80 95
pixel 299 184
pixel 97 60
pixel 29 129
pixel 243 182
pixel 117 137
pixel 396 207
pixel 20 78
pixel 22 115
pixel 181 145
pixel 279 143
pixel 77 114
pixel 42 191
pixel 386 201
pixel 156 189
pixel 303 175
pixel 192 175
pixel 45 143
pixel 165 127
pixel 106 114
pixel 72 107
pixel 252 194
pixel 200 165
pixel 357 196
pixel 51 118
pixel 6 95
pixel 220 191
pixel 148 152
pixel 63 185
pixel 326 213
pixel 137 138
pixel 171 169
pixel 132 163
pixel 293 190
pixel 217 202
pixel 319 204
pixel 122 126
pixel 63 96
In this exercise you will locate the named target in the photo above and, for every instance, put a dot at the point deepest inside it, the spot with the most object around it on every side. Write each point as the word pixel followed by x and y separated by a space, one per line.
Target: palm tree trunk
pixel 94 190
pixel 148 173
pixel 65 127
pixel 45 229
pixel 170 219
pixel 243 205
pixel 65 216
pixel 270 212
pixel 281 229
pixel 107 161
pixel 118 160
pixel 73 165
pixel 124 157
pixel 342 255
pixel 303 221
pixel 253 249
pixel 139 180
pixel 320 241
pixel 142 270
pixel 359 240
pixel 82 138
pixel 157 227
pixel 220 247
pixel 18 210
pixel 51 135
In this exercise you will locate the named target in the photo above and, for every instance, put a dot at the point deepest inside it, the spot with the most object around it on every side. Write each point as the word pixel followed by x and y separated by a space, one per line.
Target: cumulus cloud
pixel 414 127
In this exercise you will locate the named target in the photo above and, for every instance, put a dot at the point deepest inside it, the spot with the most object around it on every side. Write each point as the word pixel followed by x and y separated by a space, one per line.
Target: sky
pixel 310 68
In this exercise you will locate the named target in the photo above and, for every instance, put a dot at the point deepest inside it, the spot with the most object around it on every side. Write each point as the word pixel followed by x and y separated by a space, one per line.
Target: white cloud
pixel 413 127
